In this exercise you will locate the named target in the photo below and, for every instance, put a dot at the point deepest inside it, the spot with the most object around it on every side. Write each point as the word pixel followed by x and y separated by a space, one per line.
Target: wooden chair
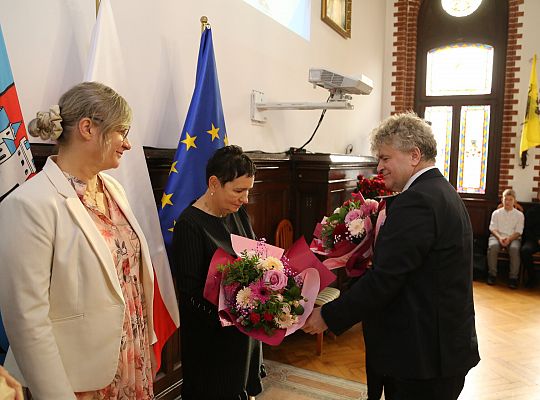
pixel 284 239
pixel 284 234
pixel 536 266
pixel 327 295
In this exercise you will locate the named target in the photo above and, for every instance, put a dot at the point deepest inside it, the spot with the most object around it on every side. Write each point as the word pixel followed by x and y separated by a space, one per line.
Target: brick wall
pixel 404 55
pixel 511 127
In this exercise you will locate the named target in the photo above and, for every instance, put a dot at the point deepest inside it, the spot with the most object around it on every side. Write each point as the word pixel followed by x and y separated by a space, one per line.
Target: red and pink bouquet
pixel 346 237
pixel 265 294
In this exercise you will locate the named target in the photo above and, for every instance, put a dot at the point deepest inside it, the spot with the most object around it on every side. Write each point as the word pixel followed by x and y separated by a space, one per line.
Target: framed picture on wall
pixel 337 14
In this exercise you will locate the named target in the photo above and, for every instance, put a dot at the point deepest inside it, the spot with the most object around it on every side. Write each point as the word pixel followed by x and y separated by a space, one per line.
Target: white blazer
pixel 60 296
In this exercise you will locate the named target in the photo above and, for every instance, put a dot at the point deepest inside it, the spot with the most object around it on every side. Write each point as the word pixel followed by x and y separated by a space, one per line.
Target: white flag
pixel 105 65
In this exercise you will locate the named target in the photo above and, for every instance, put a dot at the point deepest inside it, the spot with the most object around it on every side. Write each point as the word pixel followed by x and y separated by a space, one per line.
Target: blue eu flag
pixel 203 133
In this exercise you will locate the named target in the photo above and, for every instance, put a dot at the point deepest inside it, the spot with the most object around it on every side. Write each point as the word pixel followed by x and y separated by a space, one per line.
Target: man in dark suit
pixel 531 243
pixel 416 302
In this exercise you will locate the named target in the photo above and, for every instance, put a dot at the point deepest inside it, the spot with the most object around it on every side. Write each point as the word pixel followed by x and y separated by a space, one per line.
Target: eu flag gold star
pixel 172 229
pixel 214 132
pixel 226 140
pixel 166 199
pixel 173 167
pixel 189 141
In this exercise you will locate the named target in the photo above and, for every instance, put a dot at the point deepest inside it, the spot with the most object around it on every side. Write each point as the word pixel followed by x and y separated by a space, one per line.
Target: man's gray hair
pixel 405 132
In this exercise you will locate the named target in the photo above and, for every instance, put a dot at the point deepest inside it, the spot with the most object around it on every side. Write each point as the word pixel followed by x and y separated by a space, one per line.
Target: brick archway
pixel 404 80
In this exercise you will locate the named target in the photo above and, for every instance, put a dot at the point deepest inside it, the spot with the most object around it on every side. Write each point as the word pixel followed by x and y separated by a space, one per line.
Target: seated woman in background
pixel 217 362
pixel 76 292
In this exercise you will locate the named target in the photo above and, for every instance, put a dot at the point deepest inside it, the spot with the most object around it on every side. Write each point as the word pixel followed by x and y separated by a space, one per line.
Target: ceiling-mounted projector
pixel 340 83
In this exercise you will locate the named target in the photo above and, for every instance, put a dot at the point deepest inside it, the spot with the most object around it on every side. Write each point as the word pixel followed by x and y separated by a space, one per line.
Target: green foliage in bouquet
pixel 262 293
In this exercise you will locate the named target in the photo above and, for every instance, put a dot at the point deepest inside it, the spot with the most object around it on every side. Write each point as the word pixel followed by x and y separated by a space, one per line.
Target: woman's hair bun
pixel 47 124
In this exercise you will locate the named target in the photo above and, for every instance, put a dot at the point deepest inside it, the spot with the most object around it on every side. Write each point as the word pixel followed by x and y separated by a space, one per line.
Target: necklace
pixel 95 195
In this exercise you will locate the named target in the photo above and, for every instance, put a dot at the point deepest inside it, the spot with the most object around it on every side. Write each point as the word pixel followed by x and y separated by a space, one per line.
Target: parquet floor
pixel 508 327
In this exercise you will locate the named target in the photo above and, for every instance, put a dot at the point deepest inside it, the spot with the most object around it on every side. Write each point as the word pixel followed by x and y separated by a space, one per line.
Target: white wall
pixel 48 43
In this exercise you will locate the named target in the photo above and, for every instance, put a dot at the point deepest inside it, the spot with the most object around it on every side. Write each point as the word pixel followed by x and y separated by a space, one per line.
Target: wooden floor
pixel 508 326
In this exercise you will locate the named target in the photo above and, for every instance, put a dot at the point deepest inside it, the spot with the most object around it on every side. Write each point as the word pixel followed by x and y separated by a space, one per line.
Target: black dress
pixel 217 362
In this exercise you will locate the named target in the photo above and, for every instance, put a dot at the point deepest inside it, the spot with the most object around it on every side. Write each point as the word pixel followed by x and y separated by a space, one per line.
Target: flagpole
pixel 97 6
pixel 204 23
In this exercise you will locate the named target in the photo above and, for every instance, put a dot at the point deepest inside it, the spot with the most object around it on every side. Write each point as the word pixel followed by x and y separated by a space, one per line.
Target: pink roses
pixel 275 279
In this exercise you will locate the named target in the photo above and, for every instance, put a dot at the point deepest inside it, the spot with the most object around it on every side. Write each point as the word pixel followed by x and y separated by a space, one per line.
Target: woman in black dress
pixel 217 362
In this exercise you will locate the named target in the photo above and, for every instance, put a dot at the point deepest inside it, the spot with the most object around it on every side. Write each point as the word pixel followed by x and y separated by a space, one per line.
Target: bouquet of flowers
pixel 371 187
pixel 265 294
pixel 270 294
pixel 346 237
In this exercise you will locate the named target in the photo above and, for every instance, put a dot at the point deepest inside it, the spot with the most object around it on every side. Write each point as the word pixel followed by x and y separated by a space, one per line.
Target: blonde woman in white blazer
pixel 76 287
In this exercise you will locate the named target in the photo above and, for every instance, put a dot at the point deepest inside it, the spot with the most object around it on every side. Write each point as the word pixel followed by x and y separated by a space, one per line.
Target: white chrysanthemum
pixel 356 227
pixel 244 297
pixel 251 253
pixel 279 297
pixel 285 320
pixel 270 263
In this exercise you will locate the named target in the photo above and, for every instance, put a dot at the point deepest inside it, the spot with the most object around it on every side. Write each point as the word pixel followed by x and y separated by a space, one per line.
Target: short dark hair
pixel 229 163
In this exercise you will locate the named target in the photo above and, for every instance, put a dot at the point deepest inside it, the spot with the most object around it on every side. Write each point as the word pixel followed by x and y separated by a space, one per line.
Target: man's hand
pixel 504 242
pixel 315 323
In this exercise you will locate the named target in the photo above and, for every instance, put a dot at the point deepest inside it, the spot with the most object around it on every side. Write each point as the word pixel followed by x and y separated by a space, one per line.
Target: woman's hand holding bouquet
pixel 264 294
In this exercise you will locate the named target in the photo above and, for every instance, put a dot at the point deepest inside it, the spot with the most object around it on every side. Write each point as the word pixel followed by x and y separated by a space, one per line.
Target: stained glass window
pixel 460 88
pixel 473 149
pixel 441 124
pixel 459 69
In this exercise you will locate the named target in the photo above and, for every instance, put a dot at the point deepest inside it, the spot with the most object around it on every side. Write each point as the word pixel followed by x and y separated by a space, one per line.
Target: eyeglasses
pixel 124 132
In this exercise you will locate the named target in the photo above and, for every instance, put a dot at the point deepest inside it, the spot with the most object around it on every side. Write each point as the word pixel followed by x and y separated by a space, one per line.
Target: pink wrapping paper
pixel 301 259
pixel 354 257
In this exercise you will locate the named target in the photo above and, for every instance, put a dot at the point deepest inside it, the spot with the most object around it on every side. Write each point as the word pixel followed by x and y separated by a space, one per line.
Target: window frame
pixel 436 29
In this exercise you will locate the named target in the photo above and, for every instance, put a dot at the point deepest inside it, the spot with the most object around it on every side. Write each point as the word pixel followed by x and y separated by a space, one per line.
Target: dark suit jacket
pixel 531 231
pixel 416 302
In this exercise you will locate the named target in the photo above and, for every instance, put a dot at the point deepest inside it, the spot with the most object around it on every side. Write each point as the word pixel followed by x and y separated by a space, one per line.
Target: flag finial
pixel 204 23
pixel 97 6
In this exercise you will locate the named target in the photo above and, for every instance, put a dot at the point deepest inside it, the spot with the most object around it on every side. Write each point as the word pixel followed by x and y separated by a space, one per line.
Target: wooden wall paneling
pixel 159 164
pixel 270 198
pixel 480 214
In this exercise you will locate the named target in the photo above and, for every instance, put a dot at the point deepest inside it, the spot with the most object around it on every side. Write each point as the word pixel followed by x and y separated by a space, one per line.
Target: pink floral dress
pixel 133 378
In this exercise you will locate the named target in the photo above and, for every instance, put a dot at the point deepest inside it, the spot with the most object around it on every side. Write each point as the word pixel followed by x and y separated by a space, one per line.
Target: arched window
pixel 461 48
